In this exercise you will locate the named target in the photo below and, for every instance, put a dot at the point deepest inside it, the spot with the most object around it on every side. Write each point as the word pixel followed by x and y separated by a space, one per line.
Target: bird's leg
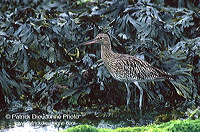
pixel 141 96
pixel 128 94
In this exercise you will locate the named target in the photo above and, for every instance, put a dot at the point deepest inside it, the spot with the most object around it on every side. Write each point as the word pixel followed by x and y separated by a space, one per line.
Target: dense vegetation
pixel 172 126
pixel 36 35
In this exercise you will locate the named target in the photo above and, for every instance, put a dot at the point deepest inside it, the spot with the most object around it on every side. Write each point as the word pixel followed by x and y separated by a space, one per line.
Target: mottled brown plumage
pixel 126 68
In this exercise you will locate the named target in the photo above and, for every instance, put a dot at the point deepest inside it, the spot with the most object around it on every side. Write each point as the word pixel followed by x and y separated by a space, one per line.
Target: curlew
pixel 127 68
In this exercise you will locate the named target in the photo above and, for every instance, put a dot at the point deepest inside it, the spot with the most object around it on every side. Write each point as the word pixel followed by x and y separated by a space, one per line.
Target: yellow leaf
pixel 77 53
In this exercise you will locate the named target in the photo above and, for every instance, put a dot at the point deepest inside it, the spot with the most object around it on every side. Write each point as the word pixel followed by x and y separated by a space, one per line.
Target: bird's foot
pixel 141 120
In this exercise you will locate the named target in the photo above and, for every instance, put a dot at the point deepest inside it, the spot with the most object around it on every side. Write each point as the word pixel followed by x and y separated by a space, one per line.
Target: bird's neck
pixel 106 51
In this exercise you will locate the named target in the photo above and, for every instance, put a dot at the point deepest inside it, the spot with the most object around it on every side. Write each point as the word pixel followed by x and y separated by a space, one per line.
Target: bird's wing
pixel 131 67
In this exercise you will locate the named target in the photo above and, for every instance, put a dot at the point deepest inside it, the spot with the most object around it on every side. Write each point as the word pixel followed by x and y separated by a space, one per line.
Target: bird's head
pixel 101 38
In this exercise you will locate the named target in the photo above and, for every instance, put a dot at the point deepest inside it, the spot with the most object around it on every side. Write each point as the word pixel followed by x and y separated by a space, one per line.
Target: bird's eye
pixel 100 38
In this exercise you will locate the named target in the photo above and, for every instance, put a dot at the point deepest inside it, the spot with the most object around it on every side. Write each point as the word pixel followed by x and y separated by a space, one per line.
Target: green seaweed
pixel 171 126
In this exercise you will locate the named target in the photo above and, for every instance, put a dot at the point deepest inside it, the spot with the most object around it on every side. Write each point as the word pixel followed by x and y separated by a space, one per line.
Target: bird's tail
pixel 182 90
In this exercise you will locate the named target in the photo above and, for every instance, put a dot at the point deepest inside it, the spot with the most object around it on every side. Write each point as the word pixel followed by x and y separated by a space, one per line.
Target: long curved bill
pixel 84 43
